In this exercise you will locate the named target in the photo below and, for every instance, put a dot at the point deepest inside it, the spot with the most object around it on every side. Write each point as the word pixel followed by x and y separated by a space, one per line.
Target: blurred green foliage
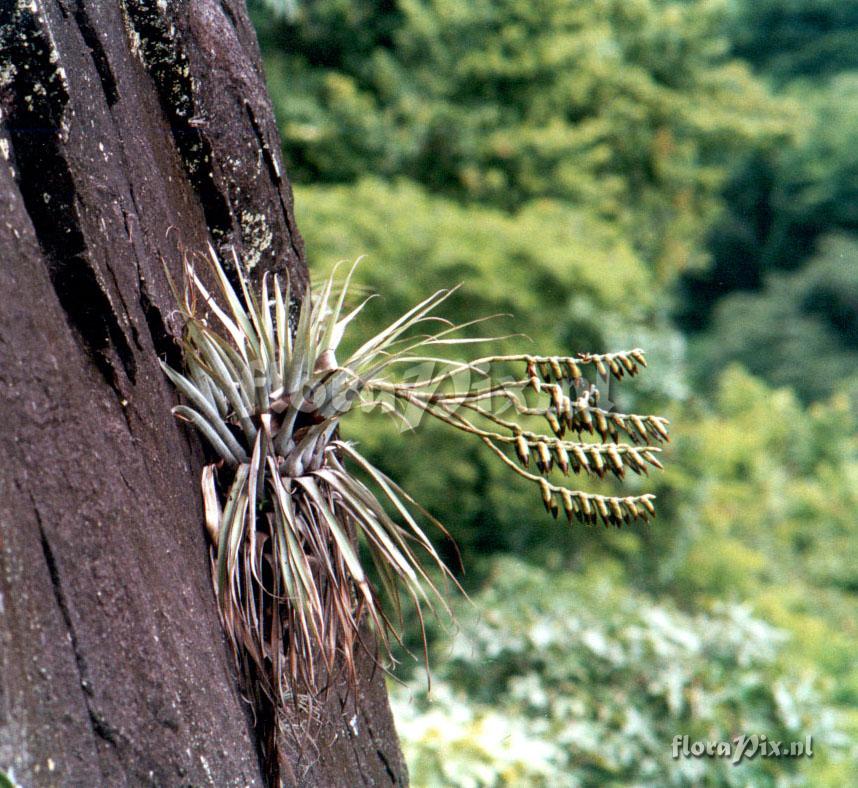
pixel 570 163
pixel 792 38
pixel 630 108
pixel 810 314
pixel 766 512
pixel 589 685
pixel 786 202
pixel 579 286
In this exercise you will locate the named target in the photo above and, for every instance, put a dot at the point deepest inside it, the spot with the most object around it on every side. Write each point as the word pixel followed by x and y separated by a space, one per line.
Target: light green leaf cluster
pixel 761 494
pixel 530 265
pixel 776 523
pixel 564 680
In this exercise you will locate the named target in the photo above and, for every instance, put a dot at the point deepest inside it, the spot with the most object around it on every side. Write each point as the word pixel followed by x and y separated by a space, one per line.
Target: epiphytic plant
pixel 285 504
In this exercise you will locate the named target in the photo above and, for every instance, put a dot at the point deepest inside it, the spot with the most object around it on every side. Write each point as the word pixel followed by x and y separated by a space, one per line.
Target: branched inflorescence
pixel 294 511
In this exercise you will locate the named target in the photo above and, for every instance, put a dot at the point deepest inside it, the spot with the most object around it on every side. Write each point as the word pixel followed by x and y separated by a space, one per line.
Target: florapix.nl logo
pixel 739 748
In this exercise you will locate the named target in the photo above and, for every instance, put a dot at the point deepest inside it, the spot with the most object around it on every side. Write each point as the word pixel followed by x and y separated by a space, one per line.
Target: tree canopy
pixel 631 109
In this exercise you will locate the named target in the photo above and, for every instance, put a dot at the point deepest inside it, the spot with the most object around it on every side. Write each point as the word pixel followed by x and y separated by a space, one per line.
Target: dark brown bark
pixel 129 128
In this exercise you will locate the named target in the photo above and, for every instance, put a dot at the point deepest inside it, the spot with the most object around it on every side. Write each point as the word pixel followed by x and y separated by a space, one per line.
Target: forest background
pixel 679 176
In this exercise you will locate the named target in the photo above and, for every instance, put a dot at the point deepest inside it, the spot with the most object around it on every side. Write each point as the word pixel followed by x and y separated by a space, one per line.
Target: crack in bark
pixel 34 98
pixel 394 778
pixel 158 44
pixel 98 54
pixel 165 344
pixel 99 725
pixel 135 335
pixel 276 178
pixel 270 162
pixel 390 773
pixel 227 12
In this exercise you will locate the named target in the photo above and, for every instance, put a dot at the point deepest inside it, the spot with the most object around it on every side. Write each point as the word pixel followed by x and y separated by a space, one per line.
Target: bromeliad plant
pixel 292 508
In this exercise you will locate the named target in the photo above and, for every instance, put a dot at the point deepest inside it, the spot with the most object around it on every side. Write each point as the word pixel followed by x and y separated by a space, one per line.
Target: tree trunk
pixel 130 129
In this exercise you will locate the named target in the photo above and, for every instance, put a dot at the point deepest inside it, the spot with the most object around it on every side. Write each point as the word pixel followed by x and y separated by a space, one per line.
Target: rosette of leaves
pixel 294 511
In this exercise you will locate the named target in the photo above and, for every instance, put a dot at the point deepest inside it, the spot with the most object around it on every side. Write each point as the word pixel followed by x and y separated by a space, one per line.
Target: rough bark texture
pixel 129 128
